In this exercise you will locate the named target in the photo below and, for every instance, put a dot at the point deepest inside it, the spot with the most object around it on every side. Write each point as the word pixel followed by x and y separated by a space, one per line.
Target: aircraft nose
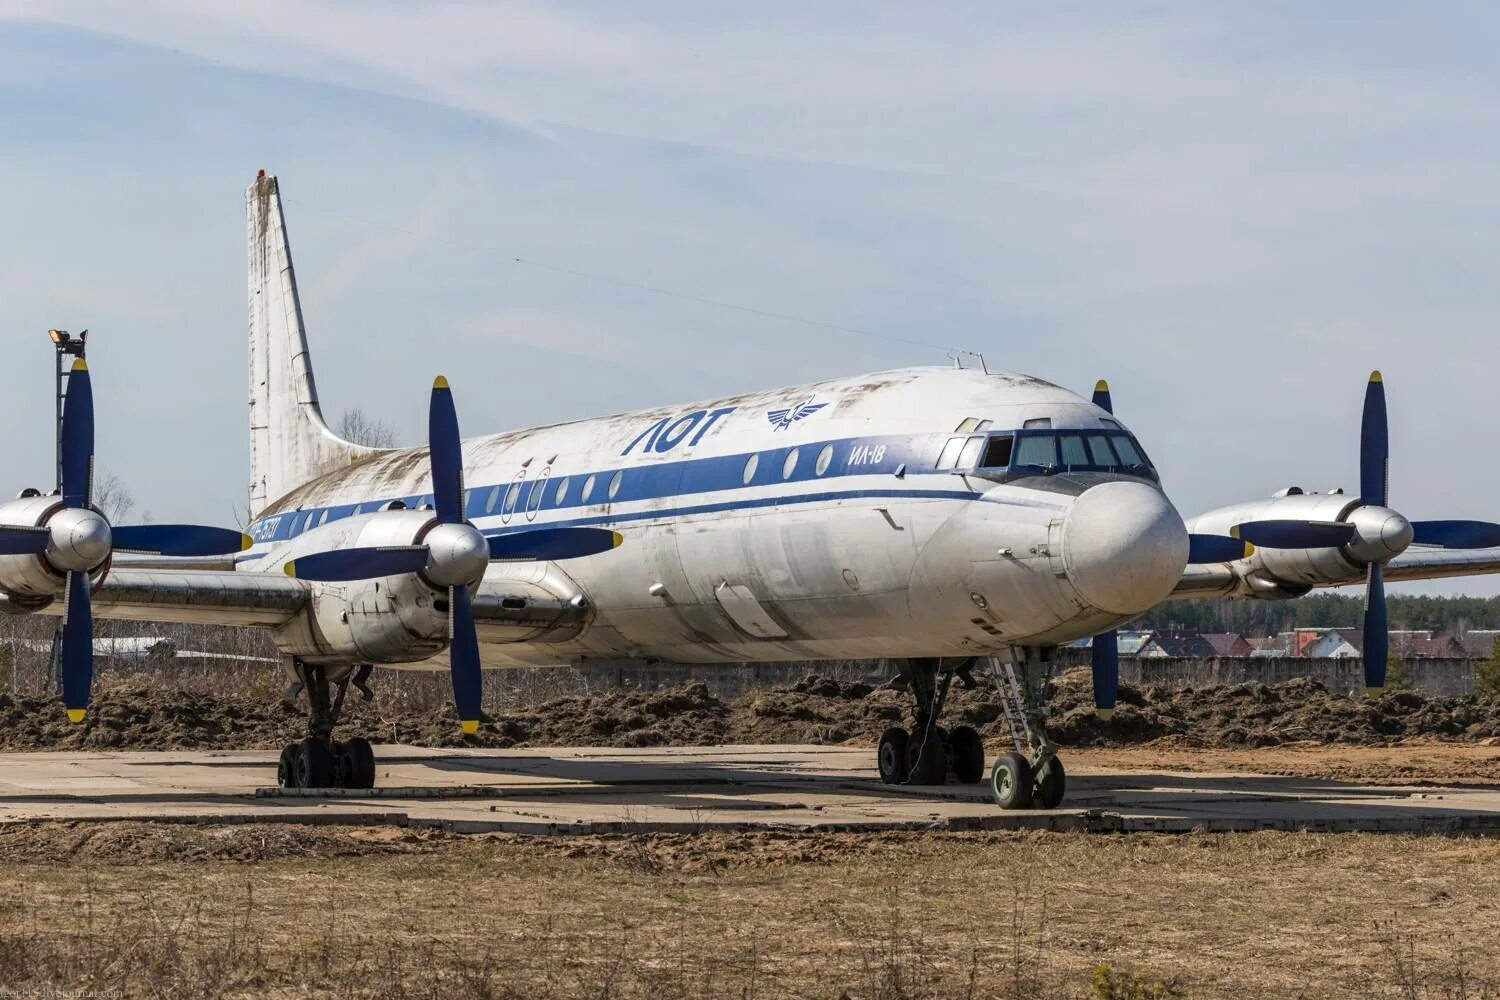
pixel 1124 547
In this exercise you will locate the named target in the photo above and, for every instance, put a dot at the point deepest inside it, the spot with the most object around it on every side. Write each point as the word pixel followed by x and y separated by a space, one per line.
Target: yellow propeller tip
pixel 75 715
pixel 1101 386
pixel 1249 551
pixel 1104 714
pixel 246 543
pixel 290 569
pixel 80 365
pixel 1234 531
pixel 469 726
pixel 1374 692
pixel 441 382
pixel 619 540
pixel 1375 376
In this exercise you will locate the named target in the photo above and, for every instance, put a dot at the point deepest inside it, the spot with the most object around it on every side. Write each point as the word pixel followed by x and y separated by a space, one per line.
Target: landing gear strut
pixel 1031 775
pixel 928 753
pixel 319 761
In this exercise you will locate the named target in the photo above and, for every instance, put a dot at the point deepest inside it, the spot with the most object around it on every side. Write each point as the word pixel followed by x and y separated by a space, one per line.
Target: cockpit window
pixel 949 458
pixel 1038 450
pixel 969 457
pixel 997 452
pixel 1129 453
pixel 1073 450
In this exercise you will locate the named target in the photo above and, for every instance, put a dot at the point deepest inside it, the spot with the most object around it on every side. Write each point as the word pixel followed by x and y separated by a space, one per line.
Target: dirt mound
pixel 134 843
pixel 1257 715
pixel 815 710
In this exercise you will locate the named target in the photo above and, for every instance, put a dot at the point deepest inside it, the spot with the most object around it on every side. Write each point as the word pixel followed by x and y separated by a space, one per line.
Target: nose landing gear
pixel 1031 775
pixel 319 761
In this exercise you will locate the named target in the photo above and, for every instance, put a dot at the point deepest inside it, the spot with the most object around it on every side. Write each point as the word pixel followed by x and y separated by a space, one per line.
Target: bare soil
pixel 266 911
pixel 140 715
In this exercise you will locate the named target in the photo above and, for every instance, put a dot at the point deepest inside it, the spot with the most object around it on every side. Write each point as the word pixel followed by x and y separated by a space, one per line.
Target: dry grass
pixel 304 912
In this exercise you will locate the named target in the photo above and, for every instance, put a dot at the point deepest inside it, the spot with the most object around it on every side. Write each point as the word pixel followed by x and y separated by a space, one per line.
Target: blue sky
pixel 1233 212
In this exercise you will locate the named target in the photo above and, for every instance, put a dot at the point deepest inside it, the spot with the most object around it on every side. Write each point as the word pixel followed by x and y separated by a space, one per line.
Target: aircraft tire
pixel 927 761
pixel 1011 781
pixel 359 763
pixel 286 767
pixel 968 755
pixel 891 757
pixel 315 764
pixel 1051 784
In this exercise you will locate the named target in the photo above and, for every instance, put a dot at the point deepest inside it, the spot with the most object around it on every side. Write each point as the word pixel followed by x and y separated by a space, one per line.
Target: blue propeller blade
pixel 1215 549
pixel 1374 446
pixel 77 652
pixel 23 541
pixel 179 540
pixel 463 659
pixel 342 565
pixel 544 544
pixel 446 452
pixel 1377 639
pixel 1296 534
pixel 78 438
pixel 1105 658
pixel 1456 534
pixel 1102 398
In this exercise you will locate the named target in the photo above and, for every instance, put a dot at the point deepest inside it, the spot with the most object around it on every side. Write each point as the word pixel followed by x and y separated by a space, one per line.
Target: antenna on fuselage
pixel 958 359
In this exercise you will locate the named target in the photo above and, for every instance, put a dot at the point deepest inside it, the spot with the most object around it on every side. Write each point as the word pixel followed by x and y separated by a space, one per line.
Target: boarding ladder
pixel 1012 702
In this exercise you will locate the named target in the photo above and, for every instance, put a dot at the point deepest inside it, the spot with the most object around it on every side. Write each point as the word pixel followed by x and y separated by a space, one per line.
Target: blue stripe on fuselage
pixel 672 480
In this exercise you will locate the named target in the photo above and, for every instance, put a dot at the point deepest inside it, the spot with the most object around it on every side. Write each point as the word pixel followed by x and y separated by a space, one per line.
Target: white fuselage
pixel 820 521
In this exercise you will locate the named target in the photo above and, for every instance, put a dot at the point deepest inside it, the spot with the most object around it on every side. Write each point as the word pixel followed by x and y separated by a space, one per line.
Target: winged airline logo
pixel 782 419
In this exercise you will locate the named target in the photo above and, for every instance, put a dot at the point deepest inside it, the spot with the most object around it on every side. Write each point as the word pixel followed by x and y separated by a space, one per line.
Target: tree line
pixel 1252 617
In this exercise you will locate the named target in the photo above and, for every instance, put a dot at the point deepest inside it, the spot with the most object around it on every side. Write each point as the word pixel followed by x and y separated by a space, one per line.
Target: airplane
pixel 939 517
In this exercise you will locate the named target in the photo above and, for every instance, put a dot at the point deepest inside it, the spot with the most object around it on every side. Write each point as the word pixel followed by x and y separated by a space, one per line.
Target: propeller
pixel 453 553
pixel 1393 531
pixel 76 539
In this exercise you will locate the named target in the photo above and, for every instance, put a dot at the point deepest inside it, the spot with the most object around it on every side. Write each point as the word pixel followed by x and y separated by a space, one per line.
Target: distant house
pixel 1335 644
pixel 1228 643
pixel 1479 643
pixel 1176 643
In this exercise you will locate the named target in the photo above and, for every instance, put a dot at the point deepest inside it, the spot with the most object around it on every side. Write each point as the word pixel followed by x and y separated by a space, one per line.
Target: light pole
pixel 66 346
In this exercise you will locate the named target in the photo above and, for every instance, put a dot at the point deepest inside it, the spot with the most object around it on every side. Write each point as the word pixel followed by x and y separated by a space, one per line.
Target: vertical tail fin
pixel 290 443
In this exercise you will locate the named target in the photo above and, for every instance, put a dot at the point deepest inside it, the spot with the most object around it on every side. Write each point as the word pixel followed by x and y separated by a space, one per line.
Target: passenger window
pixel 789 466
pixel 1099 451
pixel 825 457
pixel 562 492
pixel 750 465
pixel 588 489
pixel 489 505
pixel 614 483
pixel 997 452
pixel 969 457
pixel 1036 449
pixel 949 457
pixel 1073 452
pixel 511 495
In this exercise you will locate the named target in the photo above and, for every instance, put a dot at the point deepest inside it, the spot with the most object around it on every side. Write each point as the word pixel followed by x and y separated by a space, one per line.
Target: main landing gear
pixel 319 761
pixel 928 753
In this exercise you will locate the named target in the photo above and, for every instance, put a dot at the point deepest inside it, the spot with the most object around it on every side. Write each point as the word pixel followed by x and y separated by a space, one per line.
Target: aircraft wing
pixel 1416 563
pixel 193 596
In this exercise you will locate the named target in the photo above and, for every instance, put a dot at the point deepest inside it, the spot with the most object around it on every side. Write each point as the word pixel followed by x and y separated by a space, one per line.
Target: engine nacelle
pixel 79 539
pixel 396 619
